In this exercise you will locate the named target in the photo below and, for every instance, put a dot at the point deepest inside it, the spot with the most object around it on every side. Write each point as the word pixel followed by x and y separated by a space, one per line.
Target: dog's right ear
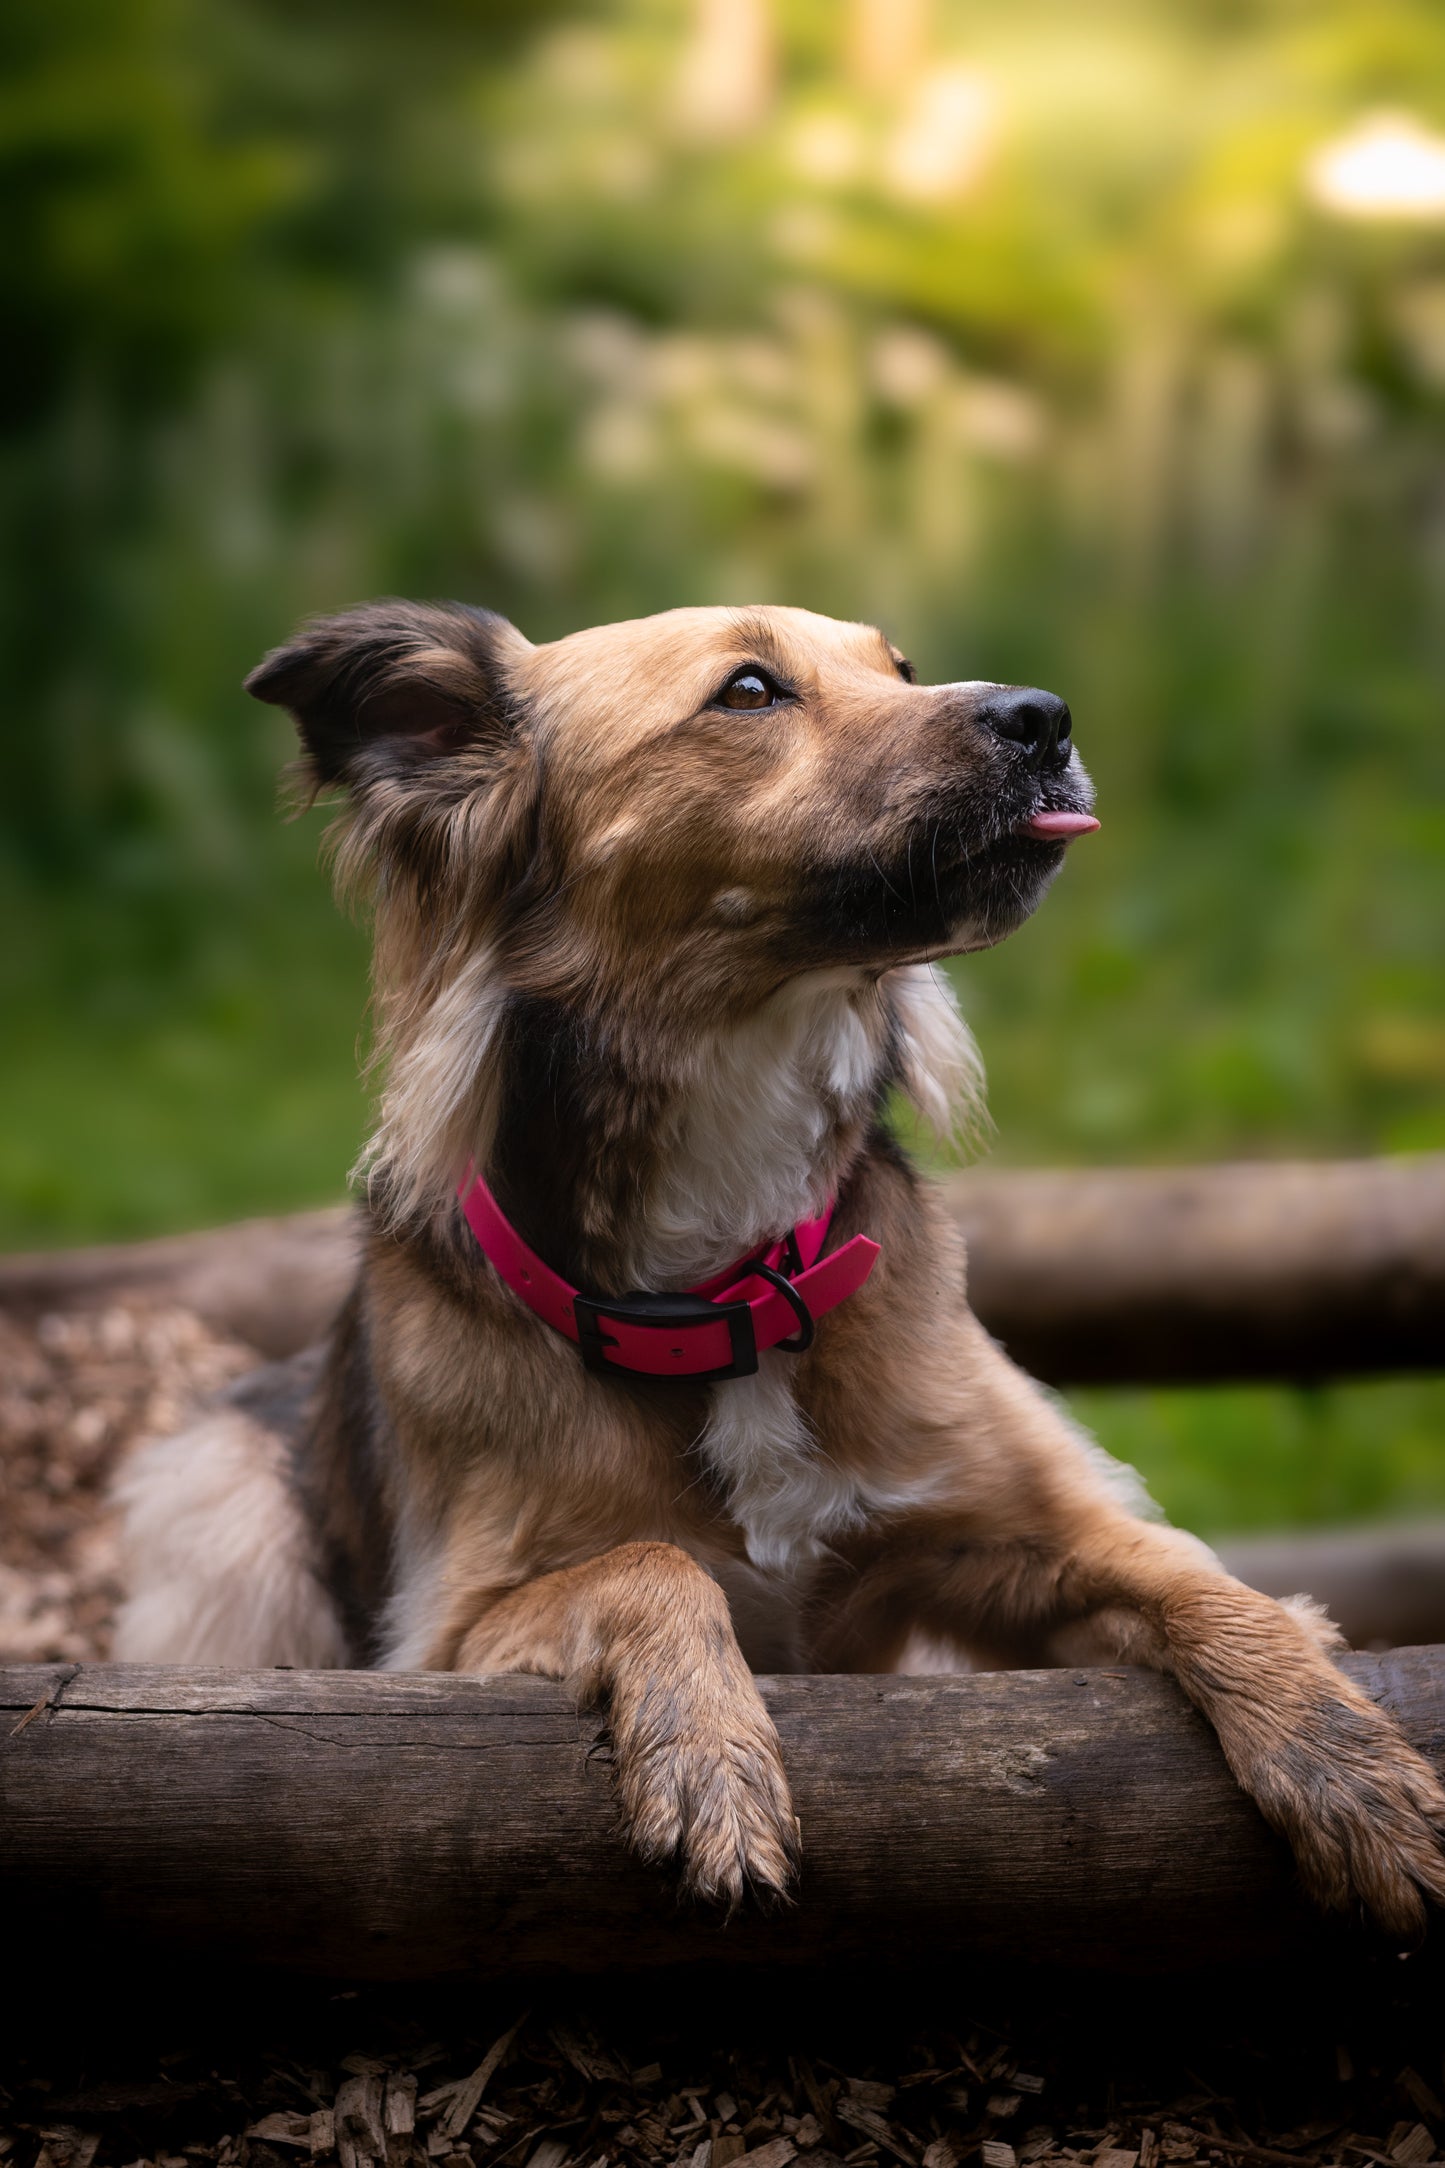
pixel 393 684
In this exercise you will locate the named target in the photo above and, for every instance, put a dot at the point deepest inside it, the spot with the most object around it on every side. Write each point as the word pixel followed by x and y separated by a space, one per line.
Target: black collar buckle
pixel 659 1313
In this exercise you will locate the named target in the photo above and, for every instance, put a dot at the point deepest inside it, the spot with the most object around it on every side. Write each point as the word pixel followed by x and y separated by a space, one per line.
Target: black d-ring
pixel 803 1338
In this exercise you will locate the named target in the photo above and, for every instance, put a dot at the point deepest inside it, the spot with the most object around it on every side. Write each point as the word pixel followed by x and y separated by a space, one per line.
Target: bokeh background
pixel 1096 345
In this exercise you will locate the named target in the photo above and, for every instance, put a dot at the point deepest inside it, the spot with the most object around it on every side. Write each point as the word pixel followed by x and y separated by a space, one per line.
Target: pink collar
pixel 712 1331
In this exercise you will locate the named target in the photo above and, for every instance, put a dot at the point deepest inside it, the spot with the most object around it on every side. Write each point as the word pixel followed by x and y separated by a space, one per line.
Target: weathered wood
pixel 274 1283
pixel 390 1827
pixel 1383 1587
pixel 1109 1276
pixel 1133 1275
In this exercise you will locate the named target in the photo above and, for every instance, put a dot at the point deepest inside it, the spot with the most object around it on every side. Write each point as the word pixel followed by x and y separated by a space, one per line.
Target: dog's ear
pixel 393 681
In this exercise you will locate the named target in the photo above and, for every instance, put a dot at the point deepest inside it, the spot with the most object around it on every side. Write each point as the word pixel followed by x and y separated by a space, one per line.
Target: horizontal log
pixel 1383 1587
pixel 1111 1276
pixel 390 1827
pixel 1141 1275
pixel 274 1283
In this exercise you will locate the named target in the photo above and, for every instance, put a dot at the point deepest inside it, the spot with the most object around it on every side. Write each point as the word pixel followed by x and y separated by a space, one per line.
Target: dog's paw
pixel 1363 1813
pixel 701 1780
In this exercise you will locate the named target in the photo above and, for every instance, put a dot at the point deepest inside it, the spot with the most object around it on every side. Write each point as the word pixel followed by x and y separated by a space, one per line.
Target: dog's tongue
pixel 1059 827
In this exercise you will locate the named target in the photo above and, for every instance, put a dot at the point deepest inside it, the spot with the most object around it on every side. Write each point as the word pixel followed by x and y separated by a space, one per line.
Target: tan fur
pixel 654 963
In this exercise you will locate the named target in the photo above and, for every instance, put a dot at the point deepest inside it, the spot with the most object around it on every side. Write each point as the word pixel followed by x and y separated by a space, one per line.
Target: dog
pixel 659 1367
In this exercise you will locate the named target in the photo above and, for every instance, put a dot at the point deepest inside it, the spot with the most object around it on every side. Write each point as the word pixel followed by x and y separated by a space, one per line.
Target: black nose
pixel 1037 721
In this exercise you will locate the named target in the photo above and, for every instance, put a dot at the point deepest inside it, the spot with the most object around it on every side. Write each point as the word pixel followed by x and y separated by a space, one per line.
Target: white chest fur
pixel 744 1150
pixel 743 1157
pixel 787 1494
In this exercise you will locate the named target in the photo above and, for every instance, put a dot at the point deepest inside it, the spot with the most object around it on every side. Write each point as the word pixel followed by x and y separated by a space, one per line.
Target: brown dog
pixel 656 908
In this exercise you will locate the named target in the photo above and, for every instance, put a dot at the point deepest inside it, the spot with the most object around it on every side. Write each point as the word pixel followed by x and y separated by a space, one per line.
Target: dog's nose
pixel 1037 721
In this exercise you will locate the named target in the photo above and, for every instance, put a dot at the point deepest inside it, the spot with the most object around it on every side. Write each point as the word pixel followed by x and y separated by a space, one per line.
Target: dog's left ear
pixel 391 681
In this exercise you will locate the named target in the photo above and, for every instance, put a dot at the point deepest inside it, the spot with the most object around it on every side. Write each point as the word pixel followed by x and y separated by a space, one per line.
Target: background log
pixel 1383 1587
pixel 1110 1276
pixel 389 1827
pixel 1137 1275
pixel 274 1283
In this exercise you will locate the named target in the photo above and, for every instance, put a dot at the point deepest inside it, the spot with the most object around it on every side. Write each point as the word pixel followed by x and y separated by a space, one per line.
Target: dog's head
pixel 705 802
pixel 593 860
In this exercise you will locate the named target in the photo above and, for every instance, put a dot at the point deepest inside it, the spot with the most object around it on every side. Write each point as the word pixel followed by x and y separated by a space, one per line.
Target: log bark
pixel 1383 1587
pixel 378 1826
pixel 274 1283
pixel 1111 1276
pixel 1141 1275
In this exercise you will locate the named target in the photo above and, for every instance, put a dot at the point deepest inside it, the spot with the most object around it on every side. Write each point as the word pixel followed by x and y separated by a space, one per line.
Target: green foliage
pixel 1254 1457
pixel 1018 329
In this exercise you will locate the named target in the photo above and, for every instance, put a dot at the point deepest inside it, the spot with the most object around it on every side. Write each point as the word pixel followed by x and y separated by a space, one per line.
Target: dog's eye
pixel 905 669
pixel 749 689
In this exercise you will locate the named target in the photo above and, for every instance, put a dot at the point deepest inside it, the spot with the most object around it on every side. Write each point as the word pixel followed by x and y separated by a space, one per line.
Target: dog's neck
pixel 660 1170
pixel 762 1127
pixel 654 1161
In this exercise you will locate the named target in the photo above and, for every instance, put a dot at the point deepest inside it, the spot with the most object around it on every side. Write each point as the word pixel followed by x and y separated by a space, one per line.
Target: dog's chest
pixel 786 1494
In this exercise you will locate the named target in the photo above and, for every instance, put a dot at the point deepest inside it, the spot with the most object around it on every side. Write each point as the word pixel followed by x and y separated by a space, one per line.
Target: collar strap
pixel 713 1331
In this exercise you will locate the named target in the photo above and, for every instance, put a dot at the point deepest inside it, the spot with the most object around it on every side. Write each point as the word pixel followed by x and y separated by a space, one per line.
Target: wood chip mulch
pixel 583 2091
pixel 77 1390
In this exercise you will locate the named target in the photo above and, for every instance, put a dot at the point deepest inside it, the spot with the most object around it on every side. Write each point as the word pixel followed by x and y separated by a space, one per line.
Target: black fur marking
pixel 558 1093
pixel 280 1396
pixel 881 1149
pixel 372 675
pixel 861 908
pixel 337 1466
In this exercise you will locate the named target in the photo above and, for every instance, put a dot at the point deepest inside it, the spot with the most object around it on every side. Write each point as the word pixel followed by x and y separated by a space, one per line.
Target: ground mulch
pixel 360 2079
pixel 77 1390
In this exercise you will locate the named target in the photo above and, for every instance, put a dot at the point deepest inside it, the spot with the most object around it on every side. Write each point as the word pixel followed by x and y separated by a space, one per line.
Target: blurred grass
pixel 1078 388
pixel 1239 1458
pixel 180 1084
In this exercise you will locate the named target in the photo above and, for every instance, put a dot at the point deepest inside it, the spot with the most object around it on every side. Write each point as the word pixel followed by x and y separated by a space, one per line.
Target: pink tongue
pixel 1059 827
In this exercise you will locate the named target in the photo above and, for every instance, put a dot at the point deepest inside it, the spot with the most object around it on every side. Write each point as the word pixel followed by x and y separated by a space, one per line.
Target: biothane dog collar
pixel 713 1331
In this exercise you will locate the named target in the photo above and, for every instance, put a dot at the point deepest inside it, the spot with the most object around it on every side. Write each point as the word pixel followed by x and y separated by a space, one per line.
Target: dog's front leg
pixel 1031 1560
pixel 1361 1810
pixel 700 1776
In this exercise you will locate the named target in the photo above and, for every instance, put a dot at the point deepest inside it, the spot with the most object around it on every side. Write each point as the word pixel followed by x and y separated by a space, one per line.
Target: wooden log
pixel 274 1283
pixel 1108 1276
pixel 1139 1275
pixel 1383 1587
pixel 395 1827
